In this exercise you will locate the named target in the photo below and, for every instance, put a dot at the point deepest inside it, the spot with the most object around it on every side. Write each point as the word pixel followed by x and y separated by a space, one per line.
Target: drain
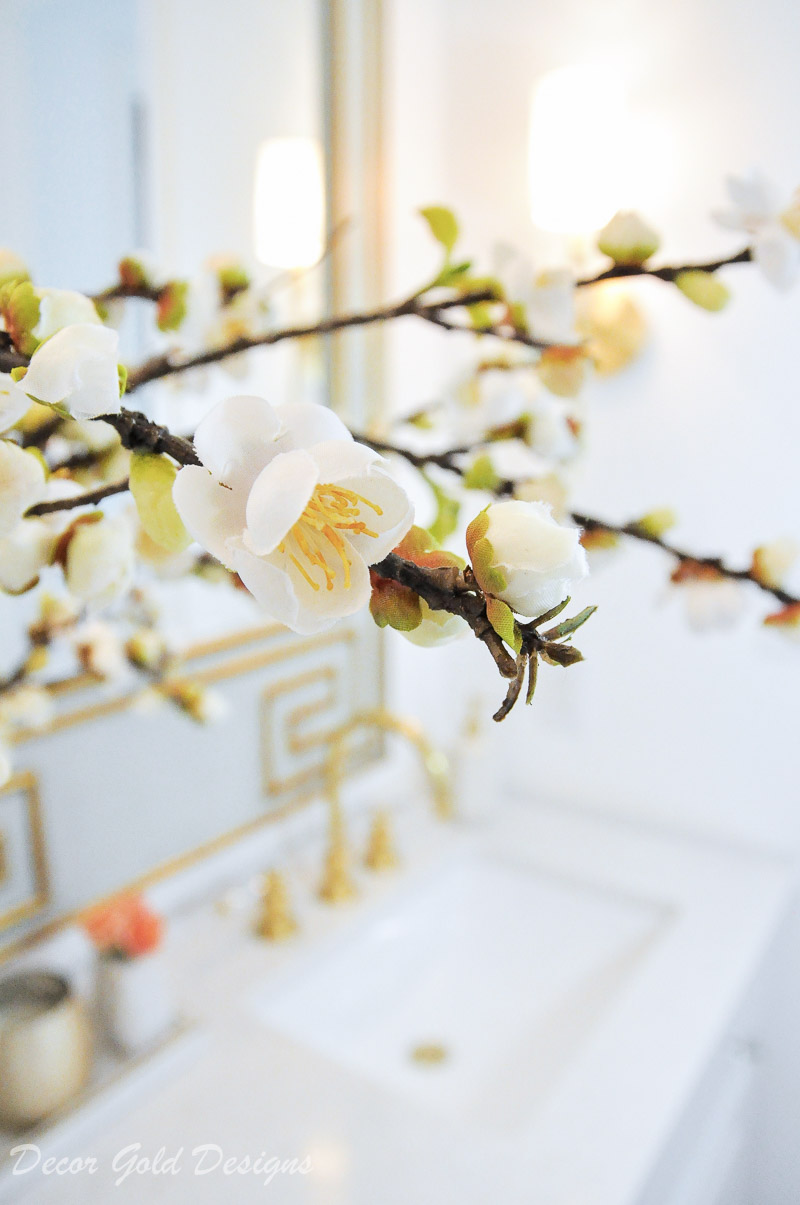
pixel 429 1054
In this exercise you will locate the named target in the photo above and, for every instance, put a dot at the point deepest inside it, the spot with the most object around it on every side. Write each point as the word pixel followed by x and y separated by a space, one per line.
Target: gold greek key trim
pixel 27 782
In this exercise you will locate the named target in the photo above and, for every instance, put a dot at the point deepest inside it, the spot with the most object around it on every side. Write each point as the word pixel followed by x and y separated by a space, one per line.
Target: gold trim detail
pixel 27 782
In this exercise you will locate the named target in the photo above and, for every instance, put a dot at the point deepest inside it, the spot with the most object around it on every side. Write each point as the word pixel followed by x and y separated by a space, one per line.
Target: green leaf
pixel 481 474
pixel 570 625
pixel 533 675
pixel 501 617
pixel 657 522
pixel 519 315
pixel 480 315
pixel 562 654
pixel 442 224
pixel 447 511
pixel 551 614
pixel 122 374
pixel 703 289
pixel 451 274
pixel 151 480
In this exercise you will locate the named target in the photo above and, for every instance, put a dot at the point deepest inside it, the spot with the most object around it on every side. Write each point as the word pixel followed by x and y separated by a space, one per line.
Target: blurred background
pixel 144 125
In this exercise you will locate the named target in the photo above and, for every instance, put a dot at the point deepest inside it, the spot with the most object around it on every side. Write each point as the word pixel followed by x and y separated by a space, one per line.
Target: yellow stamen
pixel 330 510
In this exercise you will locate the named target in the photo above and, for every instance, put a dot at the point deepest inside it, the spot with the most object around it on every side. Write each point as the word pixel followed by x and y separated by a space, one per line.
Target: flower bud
pixel 703 289
pixel 22 483
pixel 627 239
pixel 521 555
pixel 24 552
pixel 11 266
pixel 99 561
pixel 62 307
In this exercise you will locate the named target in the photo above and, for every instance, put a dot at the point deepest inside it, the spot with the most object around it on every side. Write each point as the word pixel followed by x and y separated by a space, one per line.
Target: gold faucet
pixel 275 921
pixel 337 882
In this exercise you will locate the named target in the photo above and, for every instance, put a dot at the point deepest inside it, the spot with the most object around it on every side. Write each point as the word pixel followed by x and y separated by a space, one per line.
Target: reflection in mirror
pixel 140 127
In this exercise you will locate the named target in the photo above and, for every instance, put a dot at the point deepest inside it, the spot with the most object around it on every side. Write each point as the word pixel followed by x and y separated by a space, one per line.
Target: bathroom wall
pixel 661 722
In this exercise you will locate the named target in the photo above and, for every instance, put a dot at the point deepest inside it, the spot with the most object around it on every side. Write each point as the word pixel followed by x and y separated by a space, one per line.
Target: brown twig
pixel 91 498
pixel 504 487
pixel 446 590
pixel 168 364
pixel 668 273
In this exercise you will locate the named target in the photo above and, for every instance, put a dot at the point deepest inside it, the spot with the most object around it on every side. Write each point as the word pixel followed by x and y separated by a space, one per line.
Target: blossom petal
pixel 22 484
pixel 395 519
pixel 237 438
pixel 278 498
pixel 14 402
pixel 212 513
pixel 337 459
pixel 77 367
pixel 778 256
pixel 307 423
pixel 270 585
pixel 321 608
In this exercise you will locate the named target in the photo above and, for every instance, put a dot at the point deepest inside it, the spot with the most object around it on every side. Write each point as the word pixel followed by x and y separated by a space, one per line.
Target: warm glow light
pixel 289 203
pixel 580 146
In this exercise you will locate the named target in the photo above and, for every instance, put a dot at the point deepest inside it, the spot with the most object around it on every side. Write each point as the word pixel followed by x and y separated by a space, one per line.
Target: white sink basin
pixel 505 968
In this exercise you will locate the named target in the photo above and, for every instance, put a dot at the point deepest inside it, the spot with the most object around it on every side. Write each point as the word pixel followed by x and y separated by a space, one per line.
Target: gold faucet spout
pixel 337 884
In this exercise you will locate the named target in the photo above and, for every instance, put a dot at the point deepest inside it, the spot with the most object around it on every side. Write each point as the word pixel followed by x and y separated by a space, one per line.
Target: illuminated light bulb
pixel 579 150
pixel 289 203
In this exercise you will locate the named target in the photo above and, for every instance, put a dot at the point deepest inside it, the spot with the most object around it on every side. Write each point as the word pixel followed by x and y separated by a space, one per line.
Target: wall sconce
pixel 579 150
pixel 289 203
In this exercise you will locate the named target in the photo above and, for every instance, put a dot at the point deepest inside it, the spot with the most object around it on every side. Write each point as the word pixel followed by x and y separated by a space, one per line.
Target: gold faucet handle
pixel 337 886
pixel 275 919
pixel 381 853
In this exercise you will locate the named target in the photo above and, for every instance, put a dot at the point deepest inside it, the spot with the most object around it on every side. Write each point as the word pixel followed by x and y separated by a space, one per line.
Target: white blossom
pixel 754 210
pixel 99 649
pixel 99 562
pixel 521 555
pixel 14 402
pixel 63 307
pixel 289 501
pixel 22 483
pixel 6 768
pixel 77 368
pixel 24 553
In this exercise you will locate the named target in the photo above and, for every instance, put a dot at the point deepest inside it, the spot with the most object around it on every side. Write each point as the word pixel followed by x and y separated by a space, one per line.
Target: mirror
pixel 143 125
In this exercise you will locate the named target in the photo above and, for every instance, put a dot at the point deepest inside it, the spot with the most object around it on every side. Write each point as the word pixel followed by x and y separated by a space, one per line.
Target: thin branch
pixel 88 499
pixel 450 461
pixel 168 364
pixel 635 532
pixel 446 590
pixel 666 273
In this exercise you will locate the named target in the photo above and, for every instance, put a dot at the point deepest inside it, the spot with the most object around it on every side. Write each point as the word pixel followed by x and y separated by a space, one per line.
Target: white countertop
pixel 249 1090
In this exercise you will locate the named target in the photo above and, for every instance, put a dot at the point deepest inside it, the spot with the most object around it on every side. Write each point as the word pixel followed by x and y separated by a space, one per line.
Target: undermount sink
pixel 470 992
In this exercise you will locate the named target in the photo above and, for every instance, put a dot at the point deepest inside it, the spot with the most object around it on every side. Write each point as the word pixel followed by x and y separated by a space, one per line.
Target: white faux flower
pixel 436 627
pixel 99 649
pixel 755 211
pixel 521 555
pixel 63 307
pixel 24 552
pixel 22 483
pixel 25 707
pixel 11 266
pixel 14 402
pixel 289 501
pixel 77 368
pixel 6 769
pixel 99 561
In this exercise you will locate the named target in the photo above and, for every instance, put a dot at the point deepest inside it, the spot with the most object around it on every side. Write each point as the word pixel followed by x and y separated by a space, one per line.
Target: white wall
pixel 659 721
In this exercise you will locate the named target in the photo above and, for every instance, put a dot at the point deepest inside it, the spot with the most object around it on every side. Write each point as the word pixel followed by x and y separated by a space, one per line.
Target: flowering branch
pixel 451 461
pixel 668 273
pixel 168 364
